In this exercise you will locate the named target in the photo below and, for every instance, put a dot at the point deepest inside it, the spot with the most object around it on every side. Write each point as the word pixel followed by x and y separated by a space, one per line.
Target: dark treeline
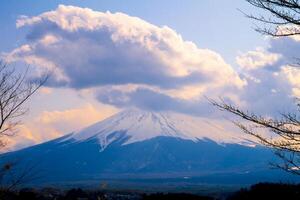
pixel 259 191
pixel 268 191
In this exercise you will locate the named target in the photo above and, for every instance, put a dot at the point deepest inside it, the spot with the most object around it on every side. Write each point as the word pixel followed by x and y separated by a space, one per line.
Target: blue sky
pixel 152 55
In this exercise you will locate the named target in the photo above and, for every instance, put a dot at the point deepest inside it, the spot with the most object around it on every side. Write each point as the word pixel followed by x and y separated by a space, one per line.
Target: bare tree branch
pixel 286 131
pixel 283 17
pixel 15 91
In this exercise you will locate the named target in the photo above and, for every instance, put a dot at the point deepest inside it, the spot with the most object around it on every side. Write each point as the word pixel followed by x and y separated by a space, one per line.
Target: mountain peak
pixel 139 125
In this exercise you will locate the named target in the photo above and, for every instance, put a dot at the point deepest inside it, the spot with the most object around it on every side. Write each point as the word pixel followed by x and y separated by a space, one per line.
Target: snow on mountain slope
pixel 141 125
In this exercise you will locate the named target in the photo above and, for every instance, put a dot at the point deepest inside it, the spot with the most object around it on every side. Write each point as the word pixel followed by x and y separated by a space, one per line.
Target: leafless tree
pixel 286 133
pixel 279 18
pixel 15 91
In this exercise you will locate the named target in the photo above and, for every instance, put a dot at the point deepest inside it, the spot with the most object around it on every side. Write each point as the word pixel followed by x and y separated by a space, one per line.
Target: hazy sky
pixel 155 55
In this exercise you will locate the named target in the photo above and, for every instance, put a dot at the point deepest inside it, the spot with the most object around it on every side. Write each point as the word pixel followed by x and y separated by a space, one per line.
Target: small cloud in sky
pixel 253 60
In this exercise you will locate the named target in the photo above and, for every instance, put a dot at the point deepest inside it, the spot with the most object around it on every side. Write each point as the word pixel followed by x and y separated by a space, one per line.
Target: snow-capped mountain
pixel 135 144
pixel 138 125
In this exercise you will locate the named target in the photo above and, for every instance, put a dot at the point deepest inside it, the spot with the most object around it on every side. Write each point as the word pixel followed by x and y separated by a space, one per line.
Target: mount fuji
pixel 143 144
pixel 134 125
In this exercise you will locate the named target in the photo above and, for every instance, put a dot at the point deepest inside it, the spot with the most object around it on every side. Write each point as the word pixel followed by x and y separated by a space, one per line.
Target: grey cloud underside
pixel 147 99
pixel 265 102
pixel 287 47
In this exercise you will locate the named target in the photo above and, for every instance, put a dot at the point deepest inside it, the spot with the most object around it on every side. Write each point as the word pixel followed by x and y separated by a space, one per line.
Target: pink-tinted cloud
pixel 52 124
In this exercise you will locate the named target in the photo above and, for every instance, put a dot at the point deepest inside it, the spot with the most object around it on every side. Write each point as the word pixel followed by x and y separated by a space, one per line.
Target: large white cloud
pixel 86 48
pixel 116 52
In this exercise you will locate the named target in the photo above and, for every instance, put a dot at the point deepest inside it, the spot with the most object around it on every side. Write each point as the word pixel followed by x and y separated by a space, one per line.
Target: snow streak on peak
pixel 140 125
